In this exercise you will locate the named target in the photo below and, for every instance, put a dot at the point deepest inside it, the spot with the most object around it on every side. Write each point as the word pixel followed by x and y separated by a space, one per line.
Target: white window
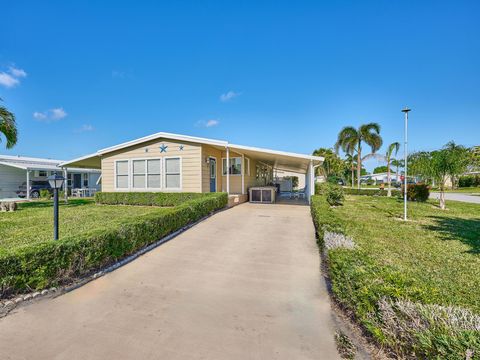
pixel 42 173
pixel 235 166
pixel 146 174
pixel 121 173
pixel 172 173
pixel 85 180
pixel 138 167
pixel 153 174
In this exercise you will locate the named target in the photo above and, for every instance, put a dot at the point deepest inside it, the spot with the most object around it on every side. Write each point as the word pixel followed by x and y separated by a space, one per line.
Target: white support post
pixel 311 181
pixel 228 171
pixel 243 174
pixel 28 184
pixel 65 185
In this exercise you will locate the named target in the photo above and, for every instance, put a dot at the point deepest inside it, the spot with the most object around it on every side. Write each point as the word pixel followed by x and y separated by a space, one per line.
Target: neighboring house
pixel 18 171
pixel 172 162
pixel 284 178
pixel 381 178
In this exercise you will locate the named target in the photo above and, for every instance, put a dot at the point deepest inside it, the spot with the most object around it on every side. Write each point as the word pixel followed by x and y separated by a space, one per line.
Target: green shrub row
pixel 469 181
pixel 360 283
pixel 147 198
pixel 320 190
pixel 325 218
pixel 51 263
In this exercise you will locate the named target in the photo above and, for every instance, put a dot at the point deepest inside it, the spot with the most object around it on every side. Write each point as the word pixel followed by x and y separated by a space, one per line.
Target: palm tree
pixel 351 139
pixel 392 148
pixel 8 127
pixel 350 163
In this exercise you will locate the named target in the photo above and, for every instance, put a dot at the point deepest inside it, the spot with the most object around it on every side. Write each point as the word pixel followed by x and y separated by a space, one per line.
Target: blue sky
pixel 286 75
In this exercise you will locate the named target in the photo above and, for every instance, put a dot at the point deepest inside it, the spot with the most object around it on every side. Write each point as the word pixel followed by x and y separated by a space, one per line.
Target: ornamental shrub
pixel 45 194
pixel 335 195
pixel 418 192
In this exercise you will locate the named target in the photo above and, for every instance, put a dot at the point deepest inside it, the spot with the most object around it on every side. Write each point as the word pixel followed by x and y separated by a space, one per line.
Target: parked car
pixel 35 187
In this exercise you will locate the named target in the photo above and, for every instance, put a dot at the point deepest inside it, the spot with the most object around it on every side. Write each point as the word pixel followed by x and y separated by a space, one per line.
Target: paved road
pixel 457 197
pixel 244 284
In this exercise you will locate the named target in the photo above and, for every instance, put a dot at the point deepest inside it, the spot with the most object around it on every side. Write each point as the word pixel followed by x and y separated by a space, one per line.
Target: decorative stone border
pixel 7 305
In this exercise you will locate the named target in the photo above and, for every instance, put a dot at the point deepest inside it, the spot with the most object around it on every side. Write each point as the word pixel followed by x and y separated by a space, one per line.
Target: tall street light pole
pixel 405 111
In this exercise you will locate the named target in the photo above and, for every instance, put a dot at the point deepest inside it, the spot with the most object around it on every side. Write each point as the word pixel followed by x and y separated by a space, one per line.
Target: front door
pixel 77 181
pixel 213 175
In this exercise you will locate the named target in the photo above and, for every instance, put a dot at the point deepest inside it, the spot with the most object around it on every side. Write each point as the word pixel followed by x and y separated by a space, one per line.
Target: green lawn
pixel 33 222
pixel 414 286
pixel 438 251
pixel 468 190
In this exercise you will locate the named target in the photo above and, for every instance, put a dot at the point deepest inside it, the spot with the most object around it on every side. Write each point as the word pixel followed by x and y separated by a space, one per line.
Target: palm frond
pixel 8 127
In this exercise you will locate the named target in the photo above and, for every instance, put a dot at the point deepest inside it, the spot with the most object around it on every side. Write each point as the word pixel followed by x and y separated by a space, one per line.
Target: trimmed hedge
pixel 147 198
pixel 320 190
pixel 324 218
pixel 51 263
pixel 372 192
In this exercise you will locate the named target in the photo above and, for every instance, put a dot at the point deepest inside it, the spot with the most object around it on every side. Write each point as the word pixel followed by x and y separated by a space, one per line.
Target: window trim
pixel 115 175
pixel 230 158
pixel 163 177
pixel 146 188
pixel 165 173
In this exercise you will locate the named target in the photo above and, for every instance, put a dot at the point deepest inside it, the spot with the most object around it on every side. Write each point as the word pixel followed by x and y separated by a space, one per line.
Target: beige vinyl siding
pixel 190 162
pixel 208 151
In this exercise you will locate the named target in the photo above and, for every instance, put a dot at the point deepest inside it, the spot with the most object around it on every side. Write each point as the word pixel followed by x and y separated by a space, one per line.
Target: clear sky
pixel 286 75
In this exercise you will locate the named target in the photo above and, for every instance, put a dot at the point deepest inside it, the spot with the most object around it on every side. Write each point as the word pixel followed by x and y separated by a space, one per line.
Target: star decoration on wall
pixel 180 147
pixel 163 148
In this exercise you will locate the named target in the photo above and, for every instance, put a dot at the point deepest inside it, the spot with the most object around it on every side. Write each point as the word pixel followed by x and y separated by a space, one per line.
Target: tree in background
pixel 391 151
pixel 380 169
pixel 350 163
pixel 398 163
pixel 333 165
pixel 440 165
pixel 474 163
pixel 350 140
pixel 8 127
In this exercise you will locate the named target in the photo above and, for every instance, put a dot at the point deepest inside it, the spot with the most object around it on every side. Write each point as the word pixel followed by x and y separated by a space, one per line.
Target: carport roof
pixel 31 163
pixel 279 159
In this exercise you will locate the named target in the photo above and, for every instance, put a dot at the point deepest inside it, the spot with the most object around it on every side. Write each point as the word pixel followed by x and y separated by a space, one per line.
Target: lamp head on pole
pixel 56 181
pixel 406 110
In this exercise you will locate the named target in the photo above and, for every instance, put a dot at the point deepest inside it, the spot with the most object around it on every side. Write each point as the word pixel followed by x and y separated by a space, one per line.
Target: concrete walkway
pixel 457 197
pixel 244 284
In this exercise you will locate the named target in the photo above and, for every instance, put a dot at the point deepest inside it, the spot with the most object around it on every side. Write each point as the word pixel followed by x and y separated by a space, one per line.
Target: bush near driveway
pixel 49 263
pixel 424 272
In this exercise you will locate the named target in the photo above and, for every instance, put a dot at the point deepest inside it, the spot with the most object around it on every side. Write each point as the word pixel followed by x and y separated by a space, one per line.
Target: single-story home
pixel 382 177
pixel 18 171
pixel 173 162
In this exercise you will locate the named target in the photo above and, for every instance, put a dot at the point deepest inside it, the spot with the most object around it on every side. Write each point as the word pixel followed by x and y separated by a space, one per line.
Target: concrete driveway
pixel 457 197
pixel 244 284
